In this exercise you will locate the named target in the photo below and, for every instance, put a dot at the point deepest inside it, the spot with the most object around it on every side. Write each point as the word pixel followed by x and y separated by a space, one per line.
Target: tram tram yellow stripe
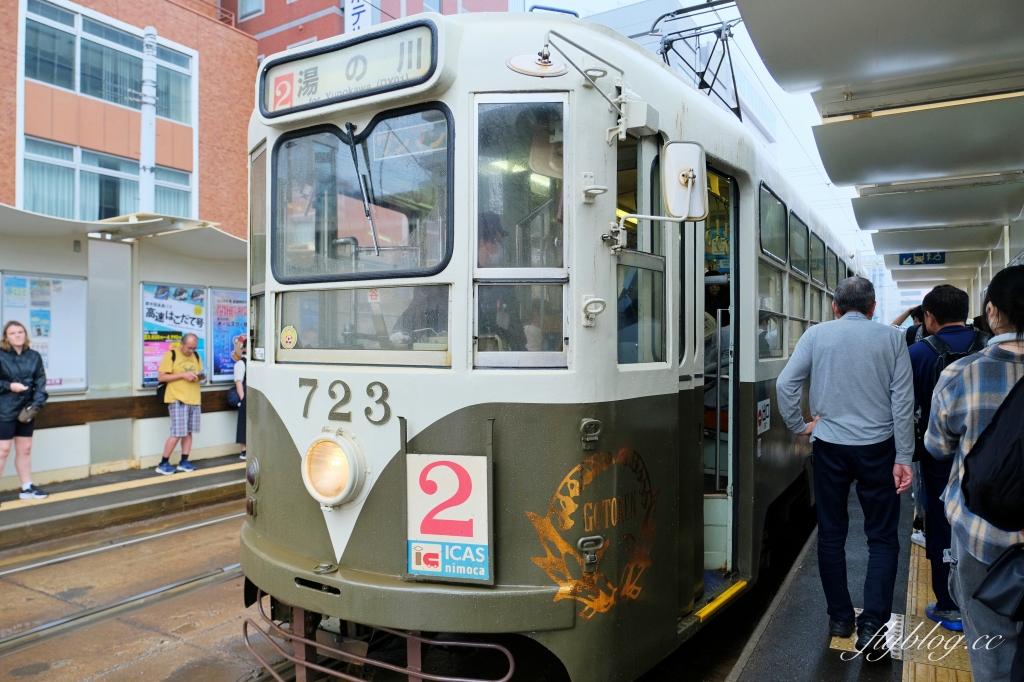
pixel 721 600
pixel 114 487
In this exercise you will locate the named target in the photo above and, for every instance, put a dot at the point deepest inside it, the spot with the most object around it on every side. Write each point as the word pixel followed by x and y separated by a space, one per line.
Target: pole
pixel 147 143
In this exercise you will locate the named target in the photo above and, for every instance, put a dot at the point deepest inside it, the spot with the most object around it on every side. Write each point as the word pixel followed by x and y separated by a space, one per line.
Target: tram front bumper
pixel 390 601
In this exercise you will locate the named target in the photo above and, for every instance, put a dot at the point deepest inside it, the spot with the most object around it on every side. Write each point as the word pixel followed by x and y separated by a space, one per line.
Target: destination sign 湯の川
pixel 928 258
pixel 386 62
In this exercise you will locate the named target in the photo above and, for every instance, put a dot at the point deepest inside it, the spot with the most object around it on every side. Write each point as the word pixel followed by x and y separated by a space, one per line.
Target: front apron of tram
pixel 836 467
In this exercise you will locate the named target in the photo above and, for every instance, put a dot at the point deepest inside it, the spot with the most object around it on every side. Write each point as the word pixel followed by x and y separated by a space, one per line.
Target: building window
pixel 172 193
pixel 49 55
pixel 110 62
pixel 112 35
pixel 111 75
pixel 107 185
pixel 51 12
pixel 173 95
pixel 49 179
pixel 110 188
pixel 247 8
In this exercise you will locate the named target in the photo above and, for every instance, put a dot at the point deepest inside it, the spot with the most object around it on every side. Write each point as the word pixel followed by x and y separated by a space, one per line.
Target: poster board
pixel 169 311
pixel 53 310
pixel 229 319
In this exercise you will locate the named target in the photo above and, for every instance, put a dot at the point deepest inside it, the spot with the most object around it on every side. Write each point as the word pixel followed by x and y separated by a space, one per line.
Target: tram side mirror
pixel 684 180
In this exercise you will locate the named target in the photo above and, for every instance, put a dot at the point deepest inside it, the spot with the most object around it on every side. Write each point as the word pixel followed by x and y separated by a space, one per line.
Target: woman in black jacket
pixel 22 385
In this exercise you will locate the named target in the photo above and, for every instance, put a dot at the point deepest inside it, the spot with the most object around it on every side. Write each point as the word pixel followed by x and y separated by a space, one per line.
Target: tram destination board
pixel 378 62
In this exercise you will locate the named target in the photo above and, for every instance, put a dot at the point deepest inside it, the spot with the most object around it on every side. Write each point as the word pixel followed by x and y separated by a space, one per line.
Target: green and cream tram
pixel 519 297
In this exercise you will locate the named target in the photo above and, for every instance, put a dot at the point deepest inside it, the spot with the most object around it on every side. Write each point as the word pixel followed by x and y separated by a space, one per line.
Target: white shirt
pixel 240 370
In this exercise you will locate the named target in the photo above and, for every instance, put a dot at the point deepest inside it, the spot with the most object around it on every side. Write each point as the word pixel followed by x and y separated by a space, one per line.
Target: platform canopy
pixel 921 106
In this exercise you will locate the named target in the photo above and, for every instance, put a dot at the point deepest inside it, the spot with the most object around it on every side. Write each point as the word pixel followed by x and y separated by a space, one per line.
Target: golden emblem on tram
pixel 621 522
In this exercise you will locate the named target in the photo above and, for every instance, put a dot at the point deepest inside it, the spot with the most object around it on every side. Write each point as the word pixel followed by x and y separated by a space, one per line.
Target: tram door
pixel 715 320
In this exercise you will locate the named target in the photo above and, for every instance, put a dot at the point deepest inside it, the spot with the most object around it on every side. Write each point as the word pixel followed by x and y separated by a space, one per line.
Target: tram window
pixel 831 269
pixel 829 313
pixel 770 326
pixel 411 318
pixel 320 229
pixel 626 200
pixel 817 259
pixel 814 311
pixel 519 318
pixel 258 218
pixel 772 224
pixel 797 294
pixel 796 330
pixel 256 321
pixel 640 308
pixel 798 244
pixel 769 288
pixel 717 226
pixel 520 191
pixel 797 311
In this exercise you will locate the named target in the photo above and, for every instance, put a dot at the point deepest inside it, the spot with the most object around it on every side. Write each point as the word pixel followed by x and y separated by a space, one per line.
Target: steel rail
pixel 125 543
pixel 100 613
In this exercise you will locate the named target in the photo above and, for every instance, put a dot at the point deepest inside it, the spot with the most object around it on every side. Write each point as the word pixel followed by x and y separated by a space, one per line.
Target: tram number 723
pixel 375 389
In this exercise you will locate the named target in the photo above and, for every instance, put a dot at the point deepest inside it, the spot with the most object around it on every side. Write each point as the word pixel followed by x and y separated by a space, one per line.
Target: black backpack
pixel 993 482
pixel 947 355
pixel 161 388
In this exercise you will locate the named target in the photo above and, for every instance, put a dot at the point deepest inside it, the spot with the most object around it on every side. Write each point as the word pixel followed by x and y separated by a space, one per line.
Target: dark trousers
pixel 935 473
pixel 835 468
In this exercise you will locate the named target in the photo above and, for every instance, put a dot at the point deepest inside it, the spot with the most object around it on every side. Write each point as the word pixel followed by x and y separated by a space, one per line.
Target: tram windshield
pixel 401 166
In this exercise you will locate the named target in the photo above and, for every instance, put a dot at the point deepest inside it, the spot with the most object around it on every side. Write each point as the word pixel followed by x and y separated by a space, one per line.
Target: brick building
pixel 281 24
pixel 86 139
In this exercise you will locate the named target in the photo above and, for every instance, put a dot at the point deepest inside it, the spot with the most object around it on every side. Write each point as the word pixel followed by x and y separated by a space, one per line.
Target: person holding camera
pixel 22 393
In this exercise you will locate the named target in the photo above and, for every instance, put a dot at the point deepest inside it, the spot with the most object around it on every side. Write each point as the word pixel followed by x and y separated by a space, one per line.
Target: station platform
pixel 791 642
pixel 117 497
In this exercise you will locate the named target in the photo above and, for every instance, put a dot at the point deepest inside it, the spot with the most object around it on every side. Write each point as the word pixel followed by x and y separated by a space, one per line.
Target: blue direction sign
pixel 932 258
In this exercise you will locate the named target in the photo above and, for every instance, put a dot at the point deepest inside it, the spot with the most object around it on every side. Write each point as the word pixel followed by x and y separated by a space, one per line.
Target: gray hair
pixel 854 293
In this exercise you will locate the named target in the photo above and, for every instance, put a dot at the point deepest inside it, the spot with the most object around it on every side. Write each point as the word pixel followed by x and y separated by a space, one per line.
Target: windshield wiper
pixel 361 179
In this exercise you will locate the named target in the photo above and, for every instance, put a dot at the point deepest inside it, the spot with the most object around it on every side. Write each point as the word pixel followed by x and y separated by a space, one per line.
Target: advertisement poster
pixel 53 310
pixel 168 313
pixel 229 315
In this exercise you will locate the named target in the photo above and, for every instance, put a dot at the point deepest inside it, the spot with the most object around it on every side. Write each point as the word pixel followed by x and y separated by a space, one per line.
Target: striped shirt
pixel 966 398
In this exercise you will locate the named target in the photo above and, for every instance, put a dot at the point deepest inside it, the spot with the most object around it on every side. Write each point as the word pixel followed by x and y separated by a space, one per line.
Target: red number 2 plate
pixel 448 517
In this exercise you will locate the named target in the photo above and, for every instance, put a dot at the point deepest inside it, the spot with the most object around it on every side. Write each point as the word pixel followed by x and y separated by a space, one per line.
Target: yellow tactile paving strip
pixel 946 660
pixel 114 487
pixel 930 652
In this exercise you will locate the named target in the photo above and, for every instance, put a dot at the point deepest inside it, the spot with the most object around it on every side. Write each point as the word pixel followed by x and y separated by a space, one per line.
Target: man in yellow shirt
pixel 182 371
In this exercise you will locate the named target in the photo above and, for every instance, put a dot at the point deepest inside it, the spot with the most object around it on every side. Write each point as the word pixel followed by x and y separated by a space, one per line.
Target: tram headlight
pixel 331 471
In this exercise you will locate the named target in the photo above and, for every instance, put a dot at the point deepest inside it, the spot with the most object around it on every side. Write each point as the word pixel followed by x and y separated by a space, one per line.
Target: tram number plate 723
pixel 448 517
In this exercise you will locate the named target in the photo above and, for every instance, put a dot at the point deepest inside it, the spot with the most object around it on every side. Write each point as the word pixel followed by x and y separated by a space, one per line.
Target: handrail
pixel 554 9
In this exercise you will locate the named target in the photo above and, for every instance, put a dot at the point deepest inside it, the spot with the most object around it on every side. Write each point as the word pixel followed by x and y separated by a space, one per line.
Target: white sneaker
pixel 918 538
pixel 241 455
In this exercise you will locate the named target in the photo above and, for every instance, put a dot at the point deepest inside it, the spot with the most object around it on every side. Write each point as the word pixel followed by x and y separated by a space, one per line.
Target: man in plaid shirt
pixel 966 398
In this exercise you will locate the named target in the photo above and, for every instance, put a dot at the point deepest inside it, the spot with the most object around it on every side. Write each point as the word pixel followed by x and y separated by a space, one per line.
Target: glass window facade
pixel 111 75
pixel 173 95
pixel 49 55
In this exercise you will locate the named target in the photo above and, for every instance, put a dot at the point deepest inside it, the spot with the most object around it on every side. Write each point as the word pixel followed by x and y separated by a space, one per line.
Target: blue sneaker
pixel 165 468
pixel 186 466
pixel 950 620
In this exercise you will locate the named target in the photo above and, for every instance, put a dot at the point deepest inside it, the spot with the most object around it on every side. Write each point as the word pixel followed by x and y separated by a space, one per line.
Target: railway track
pixel 119 607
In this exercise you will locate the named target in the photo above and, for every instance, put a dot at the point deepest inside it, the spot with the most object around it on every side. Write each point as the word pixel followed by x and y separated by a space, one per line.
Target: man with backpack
pixel 945 310
pixel 180 374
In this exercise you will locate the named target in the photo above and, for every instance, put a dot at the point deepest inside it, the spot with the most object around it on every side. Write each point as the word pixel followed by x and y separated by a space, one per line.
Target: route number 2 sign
pixel 448 517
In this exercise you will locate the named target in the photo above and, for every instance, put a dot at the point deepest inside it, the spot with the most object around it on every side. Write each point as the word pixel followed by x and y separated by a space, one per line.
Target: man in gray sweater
pixel 862 403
